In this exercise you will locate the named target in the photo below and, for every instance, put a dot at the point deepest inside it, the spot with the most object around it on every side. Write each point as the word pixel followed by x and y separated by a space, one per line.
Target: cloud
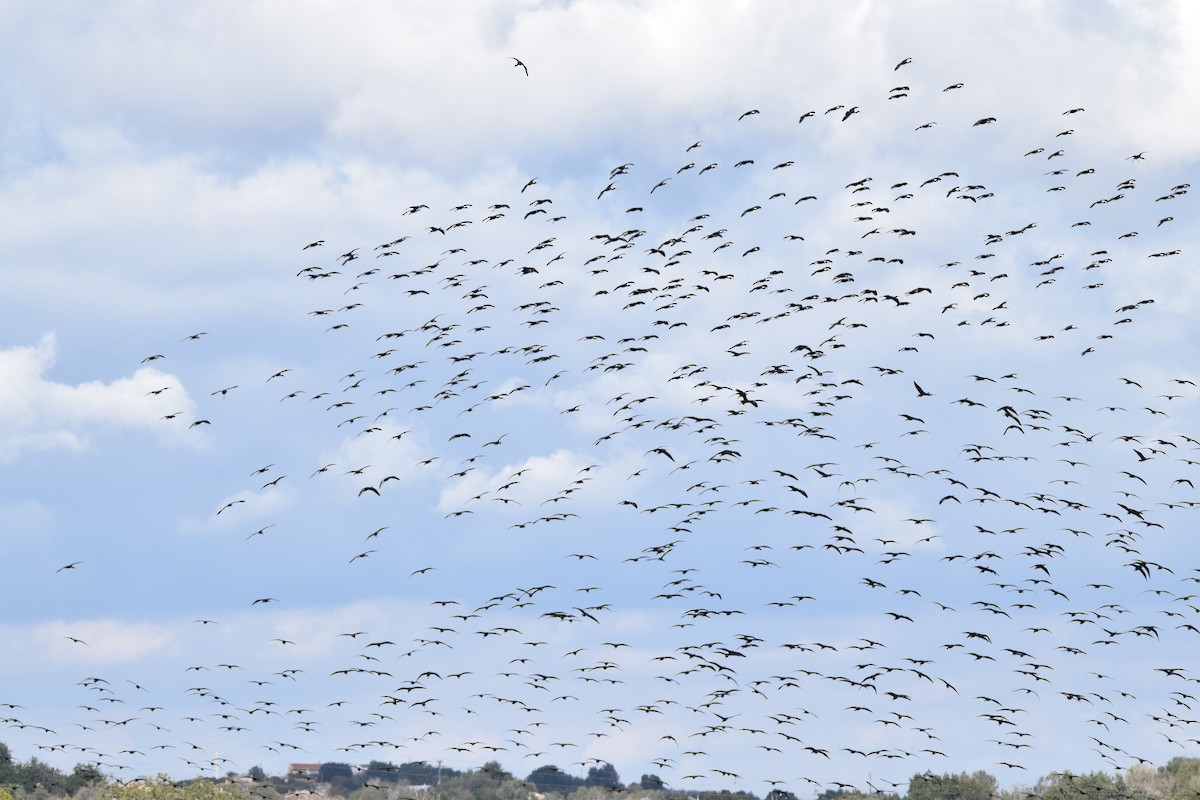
pixel 386 458
pixel 37 413
pixel 242 509
pixel 537 479
pixel 542 484
pixel 257 76
pixel 107 641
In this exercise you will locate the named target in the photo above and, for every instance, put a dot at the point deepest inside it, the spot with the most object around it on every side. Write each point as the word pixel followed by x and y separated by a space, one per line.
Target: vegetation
pixel 36 780
pixel 163 788
pixel 1178 779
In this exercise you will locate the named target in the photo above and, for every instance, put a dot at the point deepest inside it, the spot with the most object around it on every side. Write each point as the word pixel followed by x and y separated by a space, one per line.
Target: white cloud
pixel 389 454
pixel 38 413
pixel 243 509
pixel 108 641
pixel 25 516
pixel 543 477
pixel 302 80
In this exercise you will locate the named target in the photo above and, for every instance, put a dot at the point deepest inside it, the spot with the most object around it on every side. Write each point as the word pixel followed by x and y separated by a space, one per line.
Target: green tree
pixel 373 792
pixel 422 773
pixel 7 768
pixel 334 770
pixel 549 778
pixel 651 782
pixel 380 772
pixel 834 794
pixel 163 788
pixel 35 775
pixel 963 786
pixel 490 782
pixel 1183 777
pixel 591 793
pixel 1092 786
pixel 1182 768
pixel 84 775
pixel 603 775
pixel 726 794
pixel 493 770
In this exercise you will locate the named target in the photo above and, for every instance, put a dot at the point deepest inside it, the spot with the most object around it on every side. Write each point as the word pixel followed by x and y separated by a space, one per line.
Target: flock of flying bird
pixel 819 483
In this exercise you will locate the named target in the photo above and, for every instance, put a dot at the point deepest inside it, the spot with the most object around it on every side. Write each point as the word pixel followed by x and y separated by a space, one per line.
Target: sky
pixel 794 390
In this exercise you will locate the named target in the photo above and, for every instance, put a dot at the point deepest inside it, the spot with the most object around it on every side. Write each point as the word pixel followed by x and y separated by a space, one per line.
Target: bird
pixel 521 64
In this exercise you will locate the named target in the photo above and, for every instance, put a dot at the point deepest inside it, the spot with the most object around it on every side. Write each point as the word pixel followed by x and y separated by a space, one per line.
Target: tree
pixel 377 771
pixel 369 793
pixel 975 786
pixel 651 782
pixel 490 782
pixel 1092 786
pixel 84 775
pixel 493 770
pixel 6 764
pixel 1183 775
pixel 163 788
pixel 334 770
pixel 422 773
pixel 604 775
pixel 1182 768
pixel 35 774
pixel 592 793
pixel 549 778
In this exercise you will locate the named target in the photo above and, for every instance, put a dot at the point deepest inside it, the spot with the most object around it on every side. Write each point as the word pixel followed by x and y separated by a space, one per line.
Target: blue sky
pixel 583 390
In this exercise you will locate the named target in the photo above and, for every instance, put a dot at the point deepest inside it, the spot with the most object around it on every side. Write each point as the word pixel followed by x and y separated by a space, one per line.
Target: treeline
pixel 1178 779
pixel 36 779
pixel 380 780
pixel 493 782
